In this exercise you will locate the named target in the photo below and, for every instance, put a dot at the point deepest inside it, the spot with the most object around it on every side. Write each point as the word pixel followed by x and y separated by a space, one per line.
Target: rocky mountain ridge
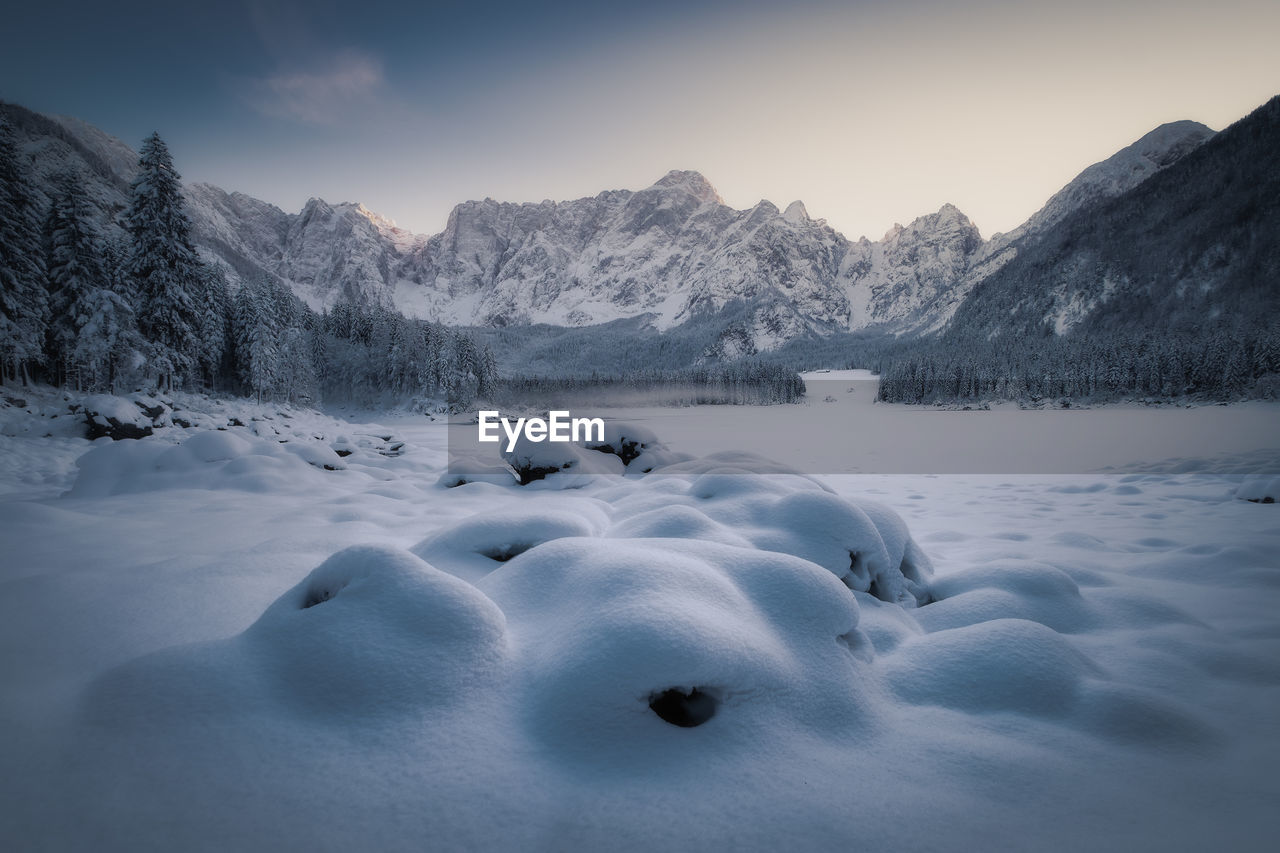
pixel 669 252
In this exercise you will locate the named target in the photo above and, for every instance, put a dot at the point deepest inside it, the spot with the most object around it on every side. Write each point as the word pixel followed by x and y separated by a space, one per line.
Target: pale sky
pixel 870 112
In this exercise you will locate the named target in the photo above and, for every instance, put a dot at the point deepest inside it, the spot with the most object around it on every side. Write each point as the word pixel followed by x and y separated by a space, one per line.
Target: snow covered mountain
pixel 1191 245
pixel 1119 173
pixel 325 253
pixel 669 253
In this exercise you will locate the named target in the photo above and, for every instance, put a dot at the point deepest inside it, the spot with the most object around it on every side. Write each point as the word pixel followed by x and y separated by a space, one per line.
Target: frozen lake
pixel 840 428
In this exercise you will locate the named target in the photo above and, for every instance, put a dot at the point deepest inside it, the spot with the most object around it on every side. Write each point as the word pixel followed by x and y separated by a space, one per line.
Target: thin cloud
pixel 322 95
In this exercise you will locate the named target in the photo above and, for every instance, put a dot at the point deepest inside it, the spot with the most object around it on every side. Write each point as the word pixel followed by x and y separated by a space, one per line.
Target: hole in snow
pixel 686 710
pixel 859 576
pixel 319 595
pixel 874 590
pixel 502 553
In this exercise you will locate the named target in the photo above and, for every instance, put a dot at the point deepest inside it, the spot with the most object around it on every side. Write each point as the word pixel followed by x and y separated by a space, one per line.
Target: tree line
pixel 139 309
pixel 1217 364
pixel 744 382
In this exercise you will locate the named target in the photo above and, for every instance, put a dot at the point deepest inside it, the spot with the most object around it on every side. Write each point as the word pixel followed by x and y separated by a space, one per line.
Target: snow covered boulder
pixel 317 454
pixel 212 459
pixel 157 410
pixel 863 543
pixel 569 465
pixel 624 440
pixel 372 629
pixel 640 650
pixel 471 469
pixel 1000 665
pixel 1260 489
pixel 476 546
pixel 652 459
pixel 371 632
pixel 115 418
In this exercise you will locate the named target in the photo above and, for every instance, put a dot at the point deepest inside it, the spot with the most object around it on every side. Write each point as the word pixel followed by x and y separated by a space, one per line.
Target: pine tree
pixel 487 381
pixel 24 311
pixel 108 347
pixel 256 332
pixel 213 322
pixel 73 267
pixel 163 265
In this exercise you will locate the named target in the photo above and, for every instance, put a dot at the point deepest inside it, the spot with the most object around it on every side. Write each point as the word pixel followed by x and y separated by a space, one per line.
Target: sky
pixel 870 112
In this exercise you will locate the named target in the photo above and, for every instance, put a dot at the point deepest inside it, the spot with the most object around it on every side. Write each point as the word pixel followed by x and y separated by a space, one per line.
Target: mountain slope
pixel 1196 243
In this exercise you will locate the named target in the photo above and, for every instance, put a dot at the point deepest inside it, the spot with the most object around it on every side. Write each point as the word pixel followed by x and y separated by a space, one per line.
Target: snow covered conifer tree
pixel 73 267
pixel 24 310
pixel 487 381
pixel 107 346
pixel 212 327
pixel 163 265
pixel 255 332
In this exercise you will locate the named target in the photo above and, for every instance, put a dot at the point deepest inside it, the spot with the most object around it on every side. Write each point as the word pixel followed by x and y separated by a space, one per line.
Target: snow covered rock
pixel 472 469
pixel 559 464
pixel 476 546
pixel 863 543
pixel 1260 488
pixel 620 641
pixel 115 418
pixel 624 440
pixel 370 632
pixel 205 459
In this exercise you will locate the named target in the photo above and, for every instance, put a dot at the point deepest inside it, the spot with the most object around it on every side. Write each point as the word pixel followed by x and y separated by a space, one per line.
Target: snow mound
pixel 1260 488
pixel 1009 589
pixel 476 470
pixel 864 544
pixel 204 460
pixel 370 632
pixel 616 636
pixel 481 543
pixel 999 665
pixel 559 465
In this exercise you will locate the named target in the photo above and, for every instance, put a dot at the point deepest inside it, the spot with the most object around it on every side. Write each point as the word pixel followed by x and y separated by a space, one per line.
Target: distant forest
pixel 82 310
pixel 744 382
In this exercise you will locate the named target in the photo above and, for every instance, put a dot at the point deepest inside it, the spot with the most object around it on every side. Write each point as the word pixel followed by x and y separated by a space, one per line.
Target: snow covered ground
pixel 288 635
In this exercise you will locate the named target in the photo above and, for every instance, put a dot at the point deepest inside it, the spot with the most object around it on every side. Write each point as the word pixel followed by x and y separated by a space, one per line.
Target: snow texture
pixel 213 642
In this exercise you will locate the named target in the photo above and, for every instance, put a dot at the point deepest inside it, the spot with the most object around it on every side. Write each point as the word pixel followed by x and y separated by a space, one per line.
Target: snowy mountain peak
pixel 949 212
pixel 691 182
pixel 950 219
pixel 1169 142
pixel 1120 172
pixel 796 213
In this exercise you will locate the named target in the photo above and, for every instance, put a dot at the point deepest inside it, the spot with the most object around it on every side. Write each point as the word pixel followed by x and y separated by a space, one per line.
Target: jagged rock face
pixel 673 251
pixel 325 253
pixel 342 251
pixel 910 275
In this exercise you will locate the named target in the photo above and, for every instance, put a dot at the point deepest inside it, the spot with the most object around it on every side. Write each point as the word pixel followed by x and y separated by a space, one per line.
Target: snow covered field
pixel 1096 664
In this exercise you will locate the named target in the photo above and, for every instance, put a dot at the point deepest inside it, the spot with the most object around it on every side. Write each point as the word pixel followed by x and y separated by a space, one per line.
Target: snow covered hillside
pixel 670 252
pixel 288 633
